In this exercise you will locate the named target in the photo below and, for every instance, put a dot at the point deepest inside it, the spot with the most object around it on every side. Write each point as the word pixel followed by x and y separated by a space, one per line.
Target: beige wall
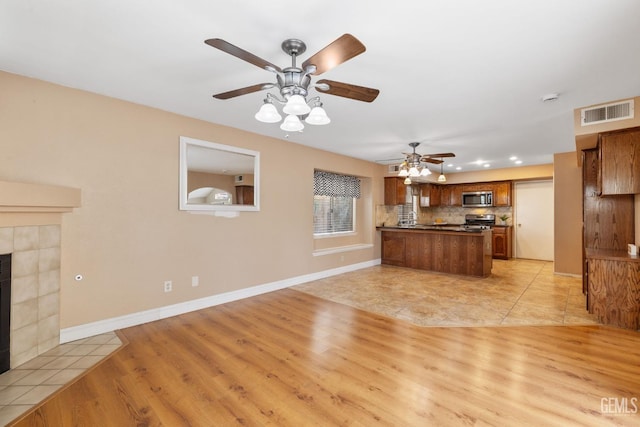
pixel 203 179
pixel 567 195
pixel 128 236
pixel 587 136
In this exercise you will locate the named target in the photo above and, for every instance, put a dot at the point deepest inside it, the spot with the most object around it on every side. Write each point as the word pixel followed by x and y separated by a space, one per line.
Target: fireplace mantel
pixel 35 204
pixel 30 230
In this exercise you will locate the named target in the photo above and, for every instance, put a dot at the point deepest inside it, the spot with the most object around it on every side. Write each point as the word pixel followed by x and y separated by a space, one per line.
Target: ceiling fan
pixel 294 82
pixel 411 166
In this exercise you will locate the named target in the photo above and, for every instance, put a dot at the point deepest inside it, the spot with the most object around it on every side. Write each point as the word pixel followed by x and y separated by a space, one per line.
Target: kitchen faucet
pixel 413 217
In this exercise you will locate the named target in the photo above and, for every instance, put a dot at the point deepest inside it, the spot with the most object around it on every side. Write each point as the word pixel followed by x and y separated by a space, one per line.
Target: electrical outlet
pixel 195 281
pixel 168 286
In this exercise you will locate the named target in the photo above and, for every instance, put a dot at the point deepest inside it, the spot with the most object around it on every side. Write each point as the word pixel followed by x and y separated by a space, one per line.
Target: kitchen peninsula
pixel 444 249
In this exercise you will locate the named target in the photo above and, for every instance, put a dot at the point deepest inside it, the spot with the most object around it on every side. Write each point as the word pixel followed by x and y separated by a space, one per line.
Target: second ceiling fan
pixel 412 167
pixel 294 82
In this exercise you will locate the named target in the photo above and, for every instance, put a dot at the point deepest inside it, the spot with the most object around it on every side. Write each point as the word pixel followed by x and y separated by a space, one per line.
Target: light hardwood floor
pixel 289 358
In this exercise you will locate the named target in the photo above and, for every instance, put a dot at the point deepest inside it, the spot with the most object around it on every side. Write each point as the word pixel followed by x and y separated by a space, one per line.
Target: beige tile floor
pixel 518 292
pixel 28 384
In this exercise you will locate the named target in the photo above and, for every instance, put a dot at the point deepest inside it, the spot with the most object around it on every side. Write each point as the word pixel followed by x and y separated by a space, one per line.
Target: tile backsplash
pixel 450 214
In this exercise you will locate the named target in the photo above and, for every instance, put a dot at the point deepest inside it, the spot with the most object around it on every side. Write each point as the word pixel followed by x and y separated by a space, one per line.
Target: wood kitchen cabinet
pixel 430 195
pixel 614 287
pixel 502 193
pixel 608 221
pixel 451 195
pixel 244 194
pixel 501 242
pixel 454 252
pixel 619 154
pixel 475 187
pixel 395 191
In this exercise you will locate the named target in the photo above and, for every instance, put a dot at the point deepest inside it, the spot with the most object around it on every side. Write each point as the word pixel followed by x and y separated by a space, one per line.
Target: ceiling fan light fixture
pixel 296 105
pixel 318 116
pixel 442 178
pixel 413 171
pixel 292 124
pixel 268 113
pixel 425 171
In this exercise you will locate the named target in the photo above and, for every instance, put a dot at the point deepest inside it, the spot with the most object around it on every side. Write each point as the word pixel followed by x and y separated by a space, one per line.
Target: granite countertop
pixel 432 227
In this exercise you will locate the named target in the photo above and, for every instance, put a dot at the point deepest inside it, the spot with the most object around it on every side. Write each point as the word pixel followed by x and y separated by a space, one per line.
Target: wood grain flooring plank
pixel 287 358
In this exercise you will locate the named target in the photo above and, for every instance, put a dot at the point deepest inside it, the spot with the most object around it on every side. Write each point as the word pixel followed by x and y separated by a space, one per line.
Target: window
pixel 334 202
pixel 333 214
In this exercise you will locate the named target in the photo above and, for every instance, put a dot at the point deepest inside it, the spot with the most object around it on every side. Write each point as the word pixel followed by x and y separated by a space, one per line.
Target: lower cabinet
pixel 501 242
pixel 462 253
pixel 614 287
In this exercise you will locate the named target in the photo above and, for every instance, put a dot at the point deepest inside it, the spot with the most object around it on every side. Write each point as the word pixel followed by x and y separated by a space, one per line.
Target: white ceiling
pixel 465 76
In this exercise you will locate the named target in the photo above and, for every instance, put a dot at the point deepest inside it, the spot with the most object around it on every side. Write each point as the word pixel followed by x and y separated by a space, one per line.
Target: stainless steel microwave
pixel 477 199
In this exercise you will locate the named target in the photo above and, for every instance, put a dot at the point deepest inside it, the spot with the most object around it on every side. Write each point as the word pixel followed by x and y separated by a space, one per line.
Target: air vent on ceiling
pixel 239 179
pixel 606 113
pixel 394 168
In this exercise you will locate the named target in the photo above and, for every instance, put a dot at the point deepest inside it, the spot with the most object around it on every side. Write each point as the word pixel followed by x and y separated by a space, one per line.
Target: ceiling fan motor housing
pixel 294 82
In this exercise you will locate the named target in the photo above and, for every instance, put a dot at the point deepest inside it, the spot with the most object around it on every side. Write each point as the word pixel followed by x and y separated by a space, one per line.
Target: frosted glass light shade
pixel 296 105
pixel 318 116
pixel 403 172
pixel 292 124
pixel 268 114
pixel 442 178
pixel 413 171
pixel 425 172
pixel 407 181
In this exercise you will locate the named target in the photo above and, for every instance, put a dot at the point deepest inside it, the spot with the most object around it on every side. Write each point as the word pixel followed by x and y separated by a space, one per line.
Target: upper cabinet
pixel 395 191
pixel 501 193
pixel 619 154
pixel 434 195
pixel 430 195
pixel 451 195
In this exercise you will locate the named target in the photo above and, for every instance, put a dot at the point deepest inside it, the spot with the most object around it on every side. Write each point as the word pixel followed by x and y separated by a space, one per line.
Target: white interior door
pixel 534 220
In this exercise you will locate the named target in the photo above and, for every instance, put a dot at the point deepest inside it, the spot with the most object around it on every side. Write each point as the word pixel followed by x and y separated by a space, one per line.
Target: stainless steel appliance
pixel 479 221
pixel 477 199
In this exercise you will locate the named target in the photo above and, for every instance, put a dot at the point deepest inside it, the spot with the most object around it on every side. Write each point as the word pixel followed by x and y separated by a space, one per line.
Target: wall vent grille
pixel 607 113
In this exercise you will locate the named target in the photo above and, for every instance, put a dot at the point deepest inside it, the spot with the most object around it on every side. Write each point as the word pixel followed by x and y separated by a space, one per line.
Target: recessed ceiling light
pixel 513 158
pixel 458 168
pixel 487 165
pixel 479 162
pixel 518 162
pixel 450 165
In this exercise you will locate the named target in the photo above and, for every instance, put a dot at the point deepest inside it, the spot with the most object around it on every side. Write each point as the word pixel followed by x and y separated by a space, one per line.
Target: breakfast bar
pixel 443 249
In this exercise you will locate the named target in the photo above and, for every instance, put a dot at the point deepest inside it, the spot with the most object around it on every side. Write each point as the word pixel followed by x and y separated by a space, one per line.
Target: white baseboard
pixel 108 325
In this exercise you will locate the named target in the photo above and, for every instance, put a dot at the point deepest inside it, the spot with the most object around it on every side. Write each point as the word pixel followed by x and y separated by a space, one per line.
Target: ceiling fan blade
pixel 437 155
pixel 430 160
pixel 340 50
pixel 243 91
pixel 242 54
pixel 346 90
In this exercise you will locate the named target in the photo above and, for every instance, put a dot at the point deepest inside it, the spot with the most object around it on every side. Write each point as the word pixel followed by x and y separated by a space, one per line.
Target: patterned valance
pixel 335 185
